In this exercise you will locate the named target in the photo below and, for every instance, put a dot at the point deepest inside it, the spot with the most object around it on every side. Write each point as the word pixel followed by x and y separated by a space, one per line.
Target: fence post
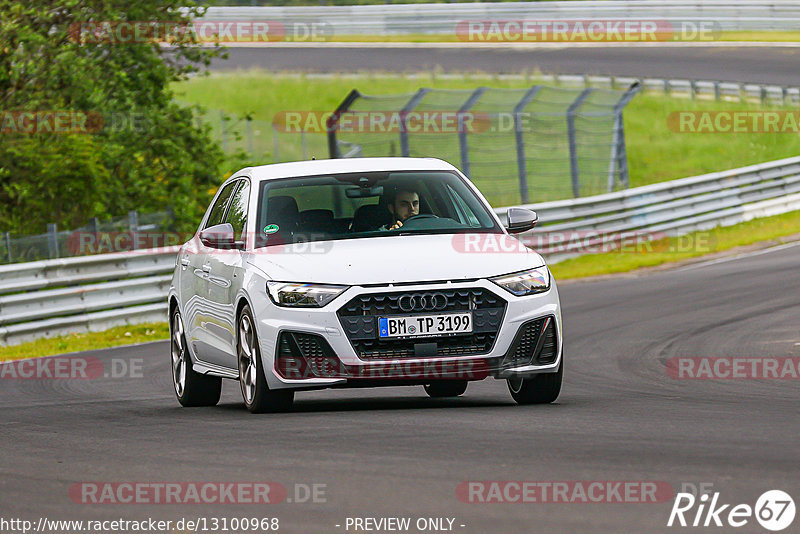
pixel 573 149
pixel 332 124
pixel 8 247
pixel 619 156
pixel 249 123
pixel 405 149
pixel 224 130
pixel 522 167
pixel 462 133
pixel 275 145
pixel 94 229
pixel 133 226
pixel 52 240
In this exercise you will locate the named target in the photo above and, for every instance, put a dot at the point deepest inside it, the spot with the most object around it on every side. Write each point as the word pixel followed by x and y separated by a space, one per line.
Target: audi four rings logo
pixel 423 301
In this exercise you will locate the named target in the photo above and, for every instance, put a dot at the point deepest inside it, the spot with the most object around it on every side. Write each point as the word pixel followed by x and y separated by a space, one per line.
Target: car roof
pixel 345 165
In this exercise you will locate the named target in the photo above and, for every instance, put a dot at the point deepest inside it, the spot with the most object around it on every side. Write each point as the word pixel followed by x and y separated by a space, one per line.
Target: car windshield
pixel 358 205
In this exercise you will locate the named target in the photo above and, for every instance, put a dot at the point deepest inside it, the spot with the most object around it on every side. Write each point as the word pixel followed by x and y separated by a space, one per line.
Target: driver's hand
pixel 396 225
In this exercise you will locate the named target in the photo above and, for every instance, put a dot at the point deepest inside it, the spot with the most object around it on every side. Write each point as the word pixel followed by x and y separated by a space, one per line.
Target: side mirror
pixel 520 220
pixel 219 236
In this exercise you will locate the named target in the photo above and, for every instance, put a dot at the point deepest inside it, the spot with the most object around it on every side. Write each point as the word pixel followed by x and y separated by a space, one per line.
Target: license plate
pixel 425 325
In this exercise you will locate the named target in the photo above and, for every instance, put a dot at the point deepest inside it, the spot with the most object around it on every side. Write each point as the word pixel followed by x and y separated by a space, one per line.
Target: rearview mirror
pixel 520 220
pixel 364 192
pixel 219 236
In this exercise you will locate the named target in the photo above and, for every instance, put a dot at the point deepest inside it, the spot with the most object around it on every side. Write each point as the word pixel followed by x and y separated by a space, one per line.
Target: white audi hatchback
pixel 359 273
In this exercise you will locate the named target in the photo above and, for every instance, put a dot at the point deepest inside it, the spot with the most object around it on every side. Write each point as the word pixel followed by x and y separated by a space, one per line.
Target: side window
pixel 218 209
pixel 466 214
pixel 237 213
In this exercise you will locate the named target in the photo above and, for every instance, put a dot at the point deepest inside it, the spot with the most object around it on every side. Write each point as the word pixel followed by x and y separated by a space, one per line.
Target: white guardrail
pixel 91 293
pixel 397 19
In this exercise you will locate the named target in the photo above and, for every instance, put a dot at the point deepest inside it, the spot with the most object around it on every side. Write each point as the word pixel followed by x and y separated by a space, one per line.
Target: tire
pixel 446 388
pixel 191 388
pixel 540 389
pixel 258 398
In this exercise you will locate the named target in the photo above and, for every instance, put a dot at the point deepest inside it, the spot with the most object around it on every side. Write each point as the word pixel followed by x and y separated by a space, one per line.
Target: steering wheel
pixel 420 216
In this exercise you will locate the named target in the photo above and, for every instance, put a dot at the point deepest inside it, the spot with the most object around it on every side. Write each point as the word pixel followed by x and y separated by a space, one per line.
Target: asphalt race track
pixel 778 64
pixel 394 452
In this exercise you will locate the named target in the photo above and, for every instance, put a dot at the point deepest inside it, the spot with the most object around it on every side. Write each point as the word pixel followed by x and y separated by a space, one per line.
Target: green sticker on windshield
pixel 271 228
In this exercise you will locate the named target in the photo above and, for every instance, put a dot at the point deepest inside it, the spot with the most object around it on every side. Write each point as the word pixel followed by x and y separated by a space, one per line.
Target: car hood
pixel 395 259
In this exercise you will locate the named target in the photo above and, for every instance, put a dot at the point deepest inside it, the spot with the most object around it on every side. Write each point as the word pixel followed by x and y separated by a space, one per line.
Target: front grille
pixel 532 344
pixel 359 319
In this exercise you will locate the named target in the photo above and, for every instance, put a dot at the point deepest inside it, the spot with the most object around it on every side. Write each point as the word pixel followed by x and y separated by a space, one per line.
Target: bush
pixel 126 144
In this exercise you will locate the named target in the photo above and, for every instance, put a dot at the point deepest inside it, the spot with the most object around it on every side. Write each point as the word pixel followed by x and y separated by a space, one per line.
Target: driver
pixel 403 204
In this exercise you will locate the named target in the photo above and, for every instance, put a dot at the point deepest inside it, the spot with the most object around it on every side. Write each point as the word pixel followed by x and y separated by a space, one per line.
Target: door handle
pixel 185 262
pixel 207 268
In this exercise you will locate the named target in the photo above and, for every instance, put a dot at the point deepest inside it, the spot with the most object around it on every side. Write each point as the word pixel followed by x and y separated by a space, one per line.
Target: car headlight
pixel 295 295
pixel 526 282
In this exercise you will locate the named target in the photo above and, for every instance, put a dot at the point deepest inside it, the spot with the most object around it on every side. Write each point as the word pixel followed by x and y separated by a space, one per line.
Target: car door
pixel 225 275
pixel 203 321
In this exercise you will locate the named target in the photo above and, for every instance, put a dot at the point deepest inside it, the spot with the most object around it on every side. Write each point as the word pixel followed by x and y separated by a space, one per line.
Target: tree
pixel 120 141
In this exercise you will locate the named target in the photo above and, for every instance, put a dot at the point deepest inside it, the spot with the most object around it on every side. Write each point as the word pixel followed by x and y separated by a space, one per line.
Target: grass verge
pixel 767 230
pixel 121 335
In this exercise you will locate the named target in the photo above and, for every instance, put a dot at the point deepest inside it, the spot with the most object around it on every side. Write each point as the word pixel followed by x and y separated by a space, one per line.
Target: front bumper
pixel 315 348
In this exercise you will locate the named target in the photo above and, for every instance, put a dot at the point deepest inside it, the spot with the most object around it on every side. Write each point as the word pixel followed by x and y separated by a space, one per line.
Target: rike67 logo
pixel 774 510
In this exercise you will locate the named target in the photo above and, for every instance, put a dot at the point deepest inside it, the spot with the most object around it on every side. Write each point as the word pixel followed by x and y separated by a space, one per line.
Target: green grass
pixel 655 153
pixel 764 230
pixel 121 335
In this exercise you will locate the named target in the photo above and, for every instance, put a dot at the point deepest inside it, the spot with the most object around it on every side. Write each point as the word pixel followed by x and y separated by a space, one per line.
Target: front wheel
pixel 191 387
pixel 540 389
pixel 256 394
pixel 446 388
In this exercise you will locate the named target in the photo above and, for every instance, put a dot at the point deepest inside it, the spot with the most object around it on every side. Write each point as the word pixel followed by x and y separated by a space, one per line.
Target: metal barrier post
pixel 573 149
pixel 522 167
pixel 619 156
pixel 332 124
pixel 405 150
pixel 462 133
